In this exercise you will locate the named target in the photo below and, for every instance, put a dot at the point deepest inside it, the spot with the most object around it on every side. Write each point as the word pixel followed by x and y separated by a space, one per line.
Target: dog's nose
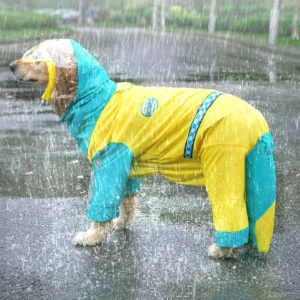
pixel 12 65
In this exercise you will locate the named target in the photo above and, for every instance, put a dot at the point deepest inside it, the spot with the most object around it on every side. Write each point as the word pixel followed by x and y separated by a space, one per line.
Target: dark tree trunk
pixel 237 6
pixel 295 30
pixel 198 5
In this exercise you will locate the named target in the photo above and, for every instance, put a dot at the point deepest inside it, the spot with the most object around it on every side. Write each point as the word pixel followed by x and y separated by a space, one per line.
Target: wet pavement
pixel 163 254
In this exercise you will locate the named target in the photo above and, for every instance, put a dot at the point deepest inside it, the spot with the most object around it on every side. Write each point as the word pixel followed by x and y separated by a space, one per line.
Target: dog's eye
pixel 33 56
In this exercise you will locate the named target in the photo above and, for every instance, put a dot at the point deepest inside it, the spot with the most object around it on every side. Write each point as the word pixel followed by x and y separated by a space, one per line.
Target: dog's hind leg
pixel 96 234
pixel 216 252
pixel 224 172
pixel 127 212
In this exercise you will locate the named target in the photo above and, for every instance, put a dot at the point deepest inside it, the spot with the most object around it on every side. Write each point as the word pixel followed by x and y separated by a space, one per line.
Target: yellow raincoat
pixel 156 124
pixel 189 136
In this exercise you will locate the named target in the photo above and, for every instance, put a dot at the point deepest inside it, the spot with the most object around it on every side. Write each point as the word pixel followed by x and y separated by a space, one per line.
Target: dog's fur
pixel 63 94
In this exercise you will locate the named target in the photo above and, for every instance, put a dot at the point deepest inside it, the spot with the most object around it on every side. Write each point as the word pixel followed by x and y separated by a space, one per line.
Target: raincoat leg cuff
pixel 232 239
pixel 100 214
pixel 133 186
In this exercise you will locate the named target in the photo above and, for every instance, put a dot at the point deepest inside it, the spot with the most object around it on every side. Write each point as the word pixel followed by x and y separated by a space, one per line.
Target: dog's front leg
pixel 127 212
pixel 96 234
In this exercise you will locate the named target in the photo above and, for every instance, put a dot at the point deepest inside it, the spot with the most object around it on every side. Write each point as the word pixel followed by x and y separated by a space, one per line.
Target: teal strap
pixel 188 150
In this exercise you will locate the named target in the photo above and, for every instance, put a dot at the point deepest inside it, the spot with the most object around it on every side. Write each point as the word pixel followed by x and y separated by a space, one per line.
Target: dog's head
pixel 52 64
pixel 70 74
pixel 35 71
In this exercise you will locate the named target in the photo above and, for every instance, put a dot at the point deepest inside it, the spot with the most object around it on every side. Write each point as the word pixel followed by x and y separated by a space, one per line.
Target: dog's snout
pixel 12 65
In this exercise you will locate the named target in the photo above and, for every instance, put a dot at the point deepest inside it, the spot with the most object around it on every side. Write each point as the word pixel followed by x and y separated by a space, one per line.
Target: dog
pixel 189 136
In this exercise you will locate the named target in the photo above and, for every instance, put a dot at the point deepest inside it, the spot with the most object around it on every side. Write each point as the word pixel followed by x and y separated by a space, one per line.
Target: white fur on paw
pixel 87 238
pixel 119 223
pixel 215 252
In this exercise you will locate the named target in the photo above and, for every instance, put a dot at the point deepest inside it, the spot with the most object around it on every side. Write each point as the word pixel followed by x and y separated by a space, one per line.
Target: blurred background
pixel 262 19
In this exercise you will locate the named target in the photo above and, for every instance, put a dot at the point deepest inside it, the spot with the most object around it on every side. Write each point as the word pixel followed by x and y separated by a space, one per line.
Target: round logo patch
pixel 149 107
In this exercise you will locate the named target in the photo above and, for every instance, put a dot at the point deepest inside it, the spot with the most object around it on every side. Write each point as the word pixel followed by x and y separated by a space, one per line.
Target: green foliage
pixel 141 15
pixel 179 17
pixel 32 33
pixel 253 24
pixel 288 41
pixel 285 26
pixel 25 20
pixel 227 20
pixel 257 24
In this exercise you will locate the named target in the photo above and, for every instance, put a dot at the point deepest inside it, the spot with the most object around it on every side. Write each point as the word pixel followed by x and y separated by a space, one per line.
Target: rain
pixel 247 48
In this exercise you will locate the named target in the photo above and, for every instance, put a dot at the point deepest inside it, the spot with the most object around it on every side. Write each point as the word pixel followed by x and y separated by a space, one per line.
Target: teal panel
pixel 232 239
pixel 110 182
pixel 260 178
pixel 260 181
pixel 95 89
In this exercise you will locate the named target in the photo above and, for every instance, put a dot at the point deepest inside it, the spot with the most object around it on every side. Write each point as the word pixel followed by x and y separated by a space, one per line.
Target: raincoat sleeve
pixel 110 182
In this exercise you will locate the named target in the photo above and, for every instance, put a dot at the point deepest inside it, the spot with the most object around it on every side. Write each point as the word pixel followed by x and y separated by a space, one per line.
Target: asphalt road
pixel 163 254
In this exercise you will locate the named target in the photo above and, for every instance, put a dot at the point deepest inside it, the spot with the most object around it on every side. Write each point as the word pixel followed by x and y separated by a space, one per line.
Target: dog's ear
pixel 65 89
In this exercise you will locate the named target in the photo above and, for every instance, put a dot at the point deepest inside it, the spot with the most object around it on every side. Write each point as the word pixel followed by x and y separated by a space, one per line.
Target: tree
pixel 274 22
pixel 212 17
pixel 122 7
pixel 257 3
pixel 163 14
pixel 198 5
pixel 154 15
pixel 237 6
pixel 295 31
pixel 80 9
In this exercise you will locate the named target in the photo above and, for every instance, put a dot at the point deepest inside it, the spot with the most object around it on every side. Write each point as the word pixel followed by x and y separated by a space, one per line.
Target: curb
pixel 289 51
pixel 35 39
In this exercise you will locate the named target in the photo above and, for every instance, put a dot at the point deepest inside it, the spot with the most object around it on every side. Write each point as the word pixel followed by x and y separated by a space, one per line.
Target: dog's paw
pixel 215 252
pixel 119 223
pixel 88 238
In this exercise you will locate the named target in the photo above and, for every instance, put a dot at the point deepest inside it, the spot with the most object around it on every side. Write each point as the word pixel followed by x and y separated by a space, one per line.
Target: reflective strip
pixel 188 150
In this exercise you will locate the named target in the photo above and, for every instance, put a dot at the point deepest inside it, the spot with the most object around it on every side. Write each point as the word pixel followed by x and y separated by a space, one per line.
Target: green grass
pixel 251 27
pixel 112 24
pixel 26 25
pixel 250 22
pixel 288 41
pixel 10 20
pixel 280 40
pixel 32 33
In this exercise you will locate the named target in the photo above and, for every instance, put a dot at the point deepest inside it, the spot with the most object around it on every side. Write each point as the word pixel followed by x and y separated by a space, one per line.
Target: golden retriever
pixel 34 68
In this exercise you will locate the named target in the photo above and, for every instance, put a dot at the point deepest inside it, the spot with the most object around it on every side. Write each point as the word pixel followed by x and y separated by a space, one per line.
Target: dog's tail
pixel 261 192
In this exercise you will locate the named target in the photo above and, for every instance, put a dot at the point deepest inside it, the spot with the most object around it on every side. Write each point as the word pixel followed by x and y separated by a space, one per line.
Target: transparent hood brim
pixel 40 54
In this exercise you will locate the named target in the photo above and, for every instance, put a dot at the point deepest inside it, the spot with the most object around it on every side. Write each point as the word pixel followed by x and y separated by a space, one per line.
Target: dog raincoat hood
pixel 94 90
pixel 75 74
